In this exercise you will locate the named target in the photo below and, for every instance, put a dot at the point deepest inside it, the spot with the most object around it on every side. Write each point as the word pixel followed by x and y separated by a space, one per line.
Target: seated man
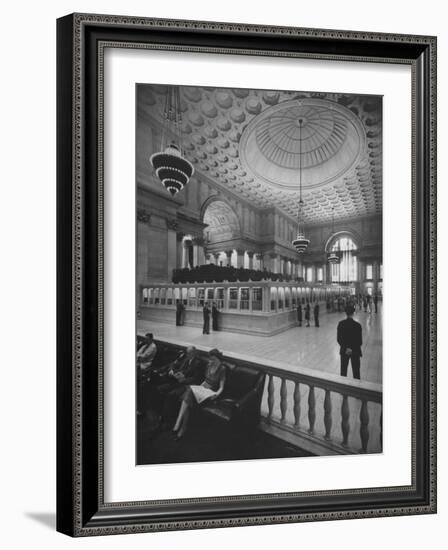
pixel 146 354
pixel 180 371
pixel 170 380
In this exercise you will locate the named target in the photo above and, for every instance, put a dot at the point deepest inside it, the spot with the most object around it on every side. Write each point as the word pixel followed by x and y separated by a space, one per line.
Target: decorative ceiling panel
pixel 248 141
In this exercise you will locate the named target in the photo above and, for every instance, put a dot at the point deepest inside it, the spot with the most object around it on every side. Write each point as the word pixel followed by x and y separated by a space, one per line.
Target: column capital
pixel 198 241
pixel 172 224
pixel 250 253
pixel 143 216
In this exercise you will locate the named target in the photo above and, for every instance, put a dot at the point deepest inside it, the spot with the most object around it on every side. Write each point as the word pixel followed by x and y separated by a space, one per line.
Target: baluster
pixel 364 429
pixel 271 397
pixel 345 423
pixel 297 405
pixel 327 414
pixel 311 409
pixel 283 399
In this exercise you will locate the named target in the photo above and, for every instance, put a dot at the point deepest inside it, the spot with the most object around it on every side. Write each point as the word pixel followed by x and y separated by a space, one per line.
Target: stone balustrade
pixel 321 411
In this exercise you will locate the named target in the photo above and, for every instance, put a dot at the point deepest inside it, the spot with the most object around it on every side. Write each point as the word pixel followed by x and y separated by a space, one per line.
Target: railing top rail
pixel 360 389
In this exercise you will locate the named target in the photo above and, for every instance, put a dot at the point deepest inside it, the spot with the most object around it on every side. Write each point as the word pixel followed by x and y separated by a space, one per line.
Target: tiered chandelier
pixel 333 258
pixel 300 243
pixel 173 170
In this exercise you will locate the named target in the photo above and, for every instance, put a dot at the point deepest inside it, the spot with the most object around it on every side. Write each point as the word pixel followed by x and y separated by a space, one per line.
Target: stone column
pixel 250 254
pixel 240 258
pixel 195 255
pixel 361 275
pixel 376 276
pixel 229 256
pixel 171 253
pixel 184 254
pixel 267 263
pixel 216 256
pixel 275 263
pixel 259 258
pixel 198 251
pixel 179 251
pixel 266 299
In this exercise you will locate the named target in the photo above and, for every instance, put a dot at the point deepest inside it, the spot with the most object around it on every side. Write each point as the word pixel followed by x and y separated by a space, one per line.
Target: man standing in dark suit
pixel 307 314
pixel 206 316
pixel 299 314
pixel 316 314
pixel 179 307
pixel 349 338
pixel 215 316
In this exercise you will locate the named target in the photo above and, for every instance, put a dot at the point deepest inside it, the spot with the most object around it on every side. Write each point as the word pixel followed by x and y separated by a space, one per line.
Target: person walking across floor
pixel 299 314
pixel 316 314
pixel 375 302
pixel 206 317
pixel 349 338
pixel 307 314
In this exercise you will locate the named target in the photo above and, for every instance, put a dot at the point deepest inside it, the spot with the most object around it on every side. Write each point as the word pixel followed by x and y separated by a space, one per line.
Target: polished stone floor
pixel 314 348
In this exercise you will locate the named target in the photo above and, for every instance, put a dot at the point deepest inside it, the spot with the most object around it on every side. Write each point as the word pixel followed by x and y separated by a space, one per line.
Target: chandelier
pixel 300 243
pixel 170 166
pixel 333 258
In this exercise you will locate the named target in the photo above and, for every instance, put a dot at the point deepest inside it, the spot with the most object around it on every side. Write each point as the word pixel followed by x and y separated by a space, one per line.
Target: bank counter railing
pixel 268 296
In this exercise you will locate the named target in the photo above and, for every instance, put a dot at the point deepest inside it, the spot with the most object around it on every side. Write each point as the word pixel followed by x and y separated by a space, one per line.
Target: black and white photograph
pixel 259 274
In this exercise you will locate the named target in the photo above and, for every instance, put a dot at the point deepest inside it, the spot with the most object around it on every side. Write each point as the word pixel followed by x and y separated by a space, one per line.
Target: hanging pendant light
pixel 300 243
pixel 333 258
pixel 173 170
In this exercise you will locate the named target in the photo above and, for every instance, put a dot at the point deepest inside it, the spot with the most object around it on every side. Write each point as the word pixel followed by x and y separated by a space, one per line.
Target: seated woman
pixel 211 388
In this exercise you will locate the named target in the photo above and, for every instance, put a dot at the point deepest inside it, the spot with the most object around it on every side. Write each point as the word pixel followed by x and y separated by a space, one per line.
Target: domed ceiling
pixel 324 138
pixel 248 141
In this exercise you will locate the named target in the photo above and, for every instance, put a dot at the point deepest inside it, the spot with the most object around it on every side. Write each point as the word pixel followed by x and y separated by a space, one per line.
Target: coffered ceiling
pixel 254 142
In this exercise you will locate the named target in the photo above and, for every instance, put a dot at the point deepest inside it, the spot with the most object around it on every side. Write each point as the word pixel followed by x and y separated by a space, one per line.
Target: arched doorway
pixel 223 226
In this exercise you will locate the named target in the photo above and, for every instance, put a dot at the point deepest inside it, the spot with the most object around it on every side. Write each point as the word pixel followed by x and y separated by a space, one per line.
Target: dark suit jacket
pixel 191 368
pixel 350 336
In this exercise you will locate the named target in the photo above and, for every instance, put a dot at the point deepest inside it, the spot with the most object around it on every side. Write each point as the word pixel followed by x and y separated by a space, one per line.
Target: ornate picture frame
pixel 81 506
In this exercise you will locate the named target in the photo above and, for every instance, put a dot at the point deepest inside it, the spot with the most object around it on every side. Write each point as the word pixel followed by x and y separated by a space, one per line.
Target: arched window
pixel 347 269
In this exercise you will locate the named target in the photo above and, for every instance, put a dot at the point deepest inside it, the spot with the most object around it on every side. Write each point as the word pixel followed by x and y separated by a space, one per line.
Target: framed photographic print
pixel 246 274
